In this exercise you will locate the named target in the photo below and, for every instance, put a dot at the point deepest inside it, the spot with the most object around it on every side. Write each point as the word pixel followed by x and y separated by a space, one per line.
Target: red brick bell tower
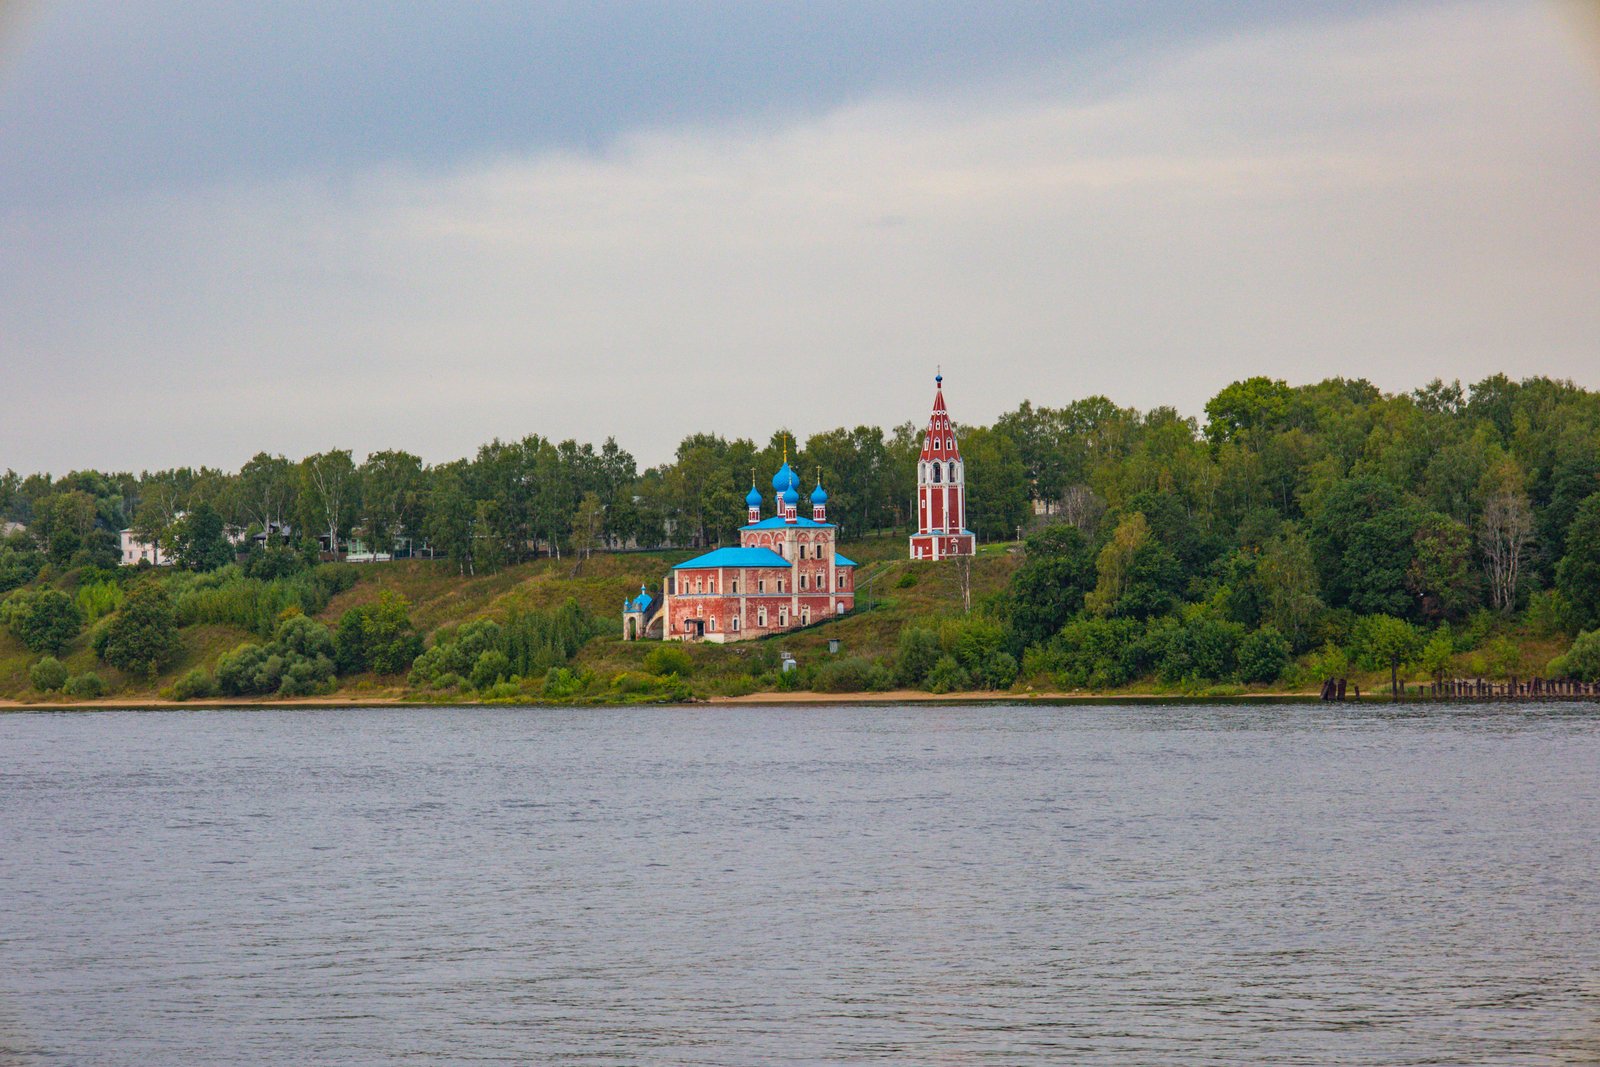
pixel 941 489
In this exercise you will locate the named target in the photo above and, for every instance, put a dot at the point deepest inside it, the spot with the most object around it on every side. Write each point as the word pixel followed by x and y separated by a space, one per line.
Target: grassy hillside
pixel 892 594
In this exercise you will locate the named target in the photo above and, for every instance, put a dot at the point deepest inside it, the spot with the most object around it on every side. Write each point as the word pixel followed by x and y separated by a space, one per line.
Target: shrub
pixel 850 674
pixel 668 659
pixel 947 676
pixel 1195 649
pixel 490 668
pixel 142 638
pixel 456 651
pixel 906 580
pixel 1581 662
pixel 48 675
pixel 1263 655
pixel 98 599
pixel 916 655
pixel 298 662
pixel 377 637
pixel 196 684
pixel 563 683
pixel 86 686
pixel 44 620
pixel 1092 653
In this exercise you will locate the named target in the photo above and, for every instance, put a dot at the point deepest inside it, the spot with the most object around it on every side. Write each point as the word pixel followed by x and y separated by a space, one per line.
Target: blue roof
pixel 819 495
pixel 843 561
pixel 786 478
pixel 753 498
pixel 776 522
pixel 737 557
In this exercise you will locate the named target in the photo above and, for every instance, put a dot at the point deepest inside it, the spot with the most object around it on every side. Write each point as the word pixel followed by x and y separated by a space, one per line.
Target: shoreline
pixel 895 696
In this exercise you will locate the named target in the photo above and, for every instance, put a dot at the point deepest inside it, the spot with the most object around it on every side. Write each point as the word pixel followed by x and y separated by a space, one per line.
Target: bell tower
pixel 941 489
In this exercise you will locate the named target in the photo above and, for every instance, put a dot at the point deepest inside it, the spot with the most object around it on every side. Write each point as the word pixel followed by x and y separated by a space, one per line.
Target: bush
pixel 195 685
pixel 916 655
pixel 1263 655
pixel 142 638
pixel 668 659
pixel 850 674
pixel 97 599
pixel 48 675
pixel 947 676
pixel 1091 653
pixel 906 580
pixel 1581 662
pixel 563 683
pixel 456 651
pixel 44 620
pixel 86 686
pixel 377 637
pixel 298 662
pixel 491 667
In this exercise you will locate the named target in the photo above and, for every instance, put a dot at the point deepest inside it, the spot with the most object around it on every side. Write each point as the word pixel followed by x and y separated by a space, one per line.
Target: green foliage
pixel 1199 648
pixel 456 651
pixel 907 580
pixel 85 686
pixel 1363 539
pixel 194 685
pixel 947 676
pixel 97 599
pixel 536 641
pixel 228 597
pixel 1049 587
pixel 1578 573
pixel 377 637
pixel 198 542
pixel 48 675
pixel 18 566
pixel 1581 662
pixel 1263 656
pixel 1385 641
pixel 851 674
pixel 918 651
pixel 298 662
pixel 1091 653
pixel 44 620
pixel 564 683
pixel 668 659
pixel 491 667
pixel 1438 655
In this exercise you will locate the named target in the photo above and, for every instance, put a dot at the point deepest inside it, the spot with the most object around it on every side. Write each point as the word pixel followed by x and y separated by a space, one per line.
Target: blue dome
pixel 819 495
pixel 791 497
pixel 753 497
pixel 786 478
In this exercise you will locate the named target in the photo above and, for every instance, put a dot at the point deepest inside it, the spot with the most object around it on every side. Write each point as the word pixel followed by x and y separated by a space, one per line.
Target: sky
pixel 230 227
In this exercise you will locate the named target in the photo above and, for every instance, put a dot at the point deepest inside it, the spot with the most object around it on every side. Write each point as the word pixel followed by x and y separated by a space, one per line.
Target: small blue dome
pixel 753 497
pixel 786 478
pixel 791 497
pixel 819 495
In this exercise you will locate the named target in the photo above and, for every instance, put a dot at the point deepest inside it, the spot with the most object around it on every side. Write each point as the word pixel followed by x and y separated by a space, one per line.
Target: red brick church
pixel 785 573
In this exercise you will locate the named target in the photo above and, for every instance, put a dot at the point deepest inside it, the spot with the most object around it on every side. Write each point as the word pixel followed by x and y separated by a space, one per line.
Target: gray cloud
pixel 1396 196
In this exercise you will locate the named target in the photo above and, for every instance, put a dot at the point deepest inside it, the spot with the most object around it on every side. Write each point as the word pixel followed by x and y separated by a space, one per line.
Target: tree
pixel 1505 530
pixel 1362 539
pixel 1263 655
pixel 48 675
pixel 1438 656
pixel 1391 642
pixel 1581 661
pixel 997 485
pixel 1115 561
pixel 328 490
pixel 391 496
pixel 142 638
pixel 377 637
pixel 1578 573
pixel 1441 575
pixel 587 524
pixel 44 620
pixel 1049 587
pixel 265 491
pixel 198 541
pixel 1287 576
pixel 1247 408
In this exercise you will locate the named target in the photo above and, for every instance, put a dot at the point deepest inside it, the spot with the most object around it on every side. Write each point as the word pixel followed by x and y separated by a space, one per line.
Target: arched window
pixel 936 474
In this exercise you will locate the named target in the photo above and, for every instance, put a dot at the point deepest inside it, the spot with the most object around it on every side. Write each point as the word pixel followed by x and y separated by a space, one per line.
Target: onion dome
pixel 753 497
pixel 790 497
pixel 786 479
pixel 819 495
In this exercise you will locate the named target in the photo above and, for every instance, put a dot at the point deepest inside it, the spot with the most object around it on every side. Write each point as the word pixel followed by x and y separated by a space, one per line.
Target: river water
pixel 760 885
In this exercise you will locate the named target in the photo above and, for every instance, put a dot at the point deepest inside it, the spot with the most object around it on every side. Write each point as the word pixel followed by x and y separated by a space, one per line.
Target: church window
pixel 761 586
pixel 936 444
pixel 780 585
pixel 802 582
pixel 697 586
pixel 935 473
pixel 736 624
pixel 805 616
pixel 733 585
pixel 761 618
pixel 711 585
pixel 711 624
pixel 783 617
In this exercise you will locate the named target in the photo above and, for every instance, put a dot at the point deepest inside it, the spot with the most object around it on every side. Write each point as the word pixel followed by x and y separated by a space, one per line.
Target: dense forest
pixel 1296 529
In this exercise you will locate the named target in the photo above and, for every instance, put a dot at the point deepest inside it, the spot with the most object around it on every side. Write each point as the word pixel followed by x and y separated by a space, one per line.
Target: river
pixel 1214 884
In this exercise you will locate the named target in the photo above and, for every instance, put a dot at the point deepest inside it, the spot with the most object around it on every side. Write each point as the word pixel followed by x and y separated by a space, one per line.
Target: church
pixel 785 573
pixel 941 489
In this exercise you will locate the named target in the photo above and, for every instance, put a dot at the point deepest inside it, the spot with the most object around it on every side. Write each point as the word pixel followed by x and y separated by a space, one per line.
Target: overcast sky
pixel 229 227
